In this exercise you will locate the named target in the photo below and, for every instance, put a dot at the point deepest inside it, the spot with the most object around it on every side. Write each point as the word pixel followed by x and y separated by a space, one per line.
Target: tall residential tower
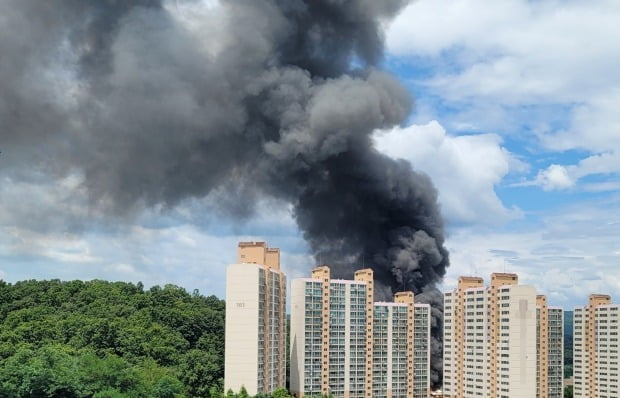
pixel 549 350
pixel 490 339
pixel 595 349
pixel 345 345
pixel 255 349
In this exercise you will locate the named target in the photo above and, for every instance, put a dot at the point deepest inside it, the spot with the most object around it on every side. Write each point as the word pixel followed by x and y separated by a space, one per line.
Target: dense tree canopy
pixel 109 340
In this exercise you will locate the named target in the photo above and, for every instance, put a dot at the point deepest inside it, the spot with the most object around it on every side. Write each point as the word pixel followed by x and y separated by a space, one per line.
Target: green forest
pixel 109 340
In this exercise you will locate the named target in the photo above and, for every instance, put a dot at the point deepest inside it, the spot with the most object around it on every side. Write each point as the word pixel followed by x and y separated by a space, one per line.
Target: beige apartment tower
pixel 255 348
pixel 595 349
pixel 346 345
pixel 549 350
pixel 490 339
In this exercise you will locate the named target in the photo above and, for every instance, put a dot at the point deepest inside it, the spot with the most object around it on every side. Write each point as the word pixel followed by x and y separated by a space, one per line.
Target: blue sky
pixel 516 121
pixel 533 84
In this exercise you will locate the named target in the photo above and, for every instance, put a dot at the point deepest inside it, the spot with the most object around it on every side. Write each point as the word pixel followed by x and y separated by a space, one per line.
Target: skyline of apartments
pixel 345 344
pixel 255 345
pixel 500 341
pixel 595 348
pixel 491 336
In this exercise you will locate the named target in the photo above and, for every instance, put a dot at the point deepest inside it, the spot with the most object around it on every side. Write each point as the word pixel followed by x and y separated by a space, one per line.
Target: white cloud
pixel 572 254
pixel 558 177
pixel 554 177
pixel 127 271
pixel 54 246
pixel 515 49
pixel 601 186
pixel 515 56
pixel 493 57
pixel 465 169
pixel 595 125
pixel 47 230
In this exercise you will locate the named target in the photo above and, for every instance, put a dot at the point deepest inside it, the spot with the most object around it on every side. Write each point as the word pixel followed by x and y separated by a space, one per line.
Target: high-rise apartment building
pixel 549 350
pixel 255 348
pixel 490 339
pixel 595 349
pixel 421 350
pixel 344 344
pixel 396 326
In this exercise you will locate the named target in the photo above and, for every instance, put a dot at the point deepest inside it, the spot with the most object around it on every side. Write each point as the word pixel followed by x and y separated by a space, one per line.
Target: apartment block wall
pixel 360 349
pixel 521 343
pixel 542 338
pixel 421 350
pixel 328 357
pixel 606 328
pixel 595 349
pixel 255 346
pixel 581 382
pixel 366 276
pixel 390 356
pixel 455 345
pixel 490 339
pixel 242 328
pixel 451 344
pixel 555 363
pixel 549 349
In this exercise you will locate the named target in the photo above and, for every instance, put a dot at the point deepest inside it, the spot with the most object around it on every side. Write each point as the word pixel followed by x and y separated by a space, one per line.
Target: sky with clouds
pixel 516 122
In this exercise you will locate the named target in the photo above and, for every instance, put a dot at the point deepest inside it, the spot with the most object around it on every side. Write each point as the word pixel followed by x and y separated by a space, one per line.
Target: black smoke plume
pixel 155 102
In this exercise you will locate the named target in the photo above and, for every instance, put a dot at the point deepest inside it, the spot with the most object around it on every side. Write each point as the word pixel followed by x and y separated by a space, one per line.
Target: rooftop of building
pixel 388 304
pixel 252 243
pixel 258 253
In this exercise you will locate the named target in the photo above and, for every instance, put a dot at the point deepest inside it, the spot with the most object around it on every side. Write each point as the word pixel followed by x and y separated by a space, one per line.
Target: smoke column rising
pixel 155 102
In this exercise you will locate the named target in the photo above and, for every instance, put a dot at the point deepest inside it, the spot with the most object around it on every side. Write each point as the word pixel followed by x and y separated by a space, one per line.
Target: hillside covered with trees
pixel 109 340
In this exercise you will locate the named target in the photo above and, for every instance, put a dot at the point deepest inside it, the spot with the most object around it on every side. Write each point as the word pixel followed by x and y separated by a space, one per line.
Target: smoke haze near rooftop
pixel 153 103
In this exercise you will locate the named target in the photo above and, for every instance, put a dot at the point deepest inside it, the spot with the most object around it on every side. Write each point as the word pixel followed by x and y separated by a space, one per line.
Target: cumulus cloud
pixel 554 177
pixel 466 169
pixel 518 63
pixel 559 177
pixel 514 50
pixel 188 255
pixel 47 230
pixel 595 127
pixel 59 247
pixel 571 254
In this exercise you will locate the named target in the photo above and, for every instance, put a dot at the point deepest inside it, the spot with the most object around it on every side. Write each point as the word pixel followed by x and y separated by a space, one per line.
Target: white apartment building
pixel 345 345
pixel 490 339
pixel 255 347
pixel 595 349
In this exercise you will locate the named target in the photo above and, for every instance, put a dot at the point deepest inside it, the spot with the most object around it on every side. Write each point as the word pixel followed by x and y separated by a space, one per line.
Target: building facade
pixel 549 350
pixel 422 350
pixel 255 347
pixel 595 349
pixel 490 339
pixel 344 344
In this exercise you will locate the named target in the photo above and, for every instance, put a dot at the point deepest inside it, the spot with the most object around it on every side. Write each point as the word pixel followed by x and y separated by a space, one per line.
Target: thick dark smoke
pixel 155 102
